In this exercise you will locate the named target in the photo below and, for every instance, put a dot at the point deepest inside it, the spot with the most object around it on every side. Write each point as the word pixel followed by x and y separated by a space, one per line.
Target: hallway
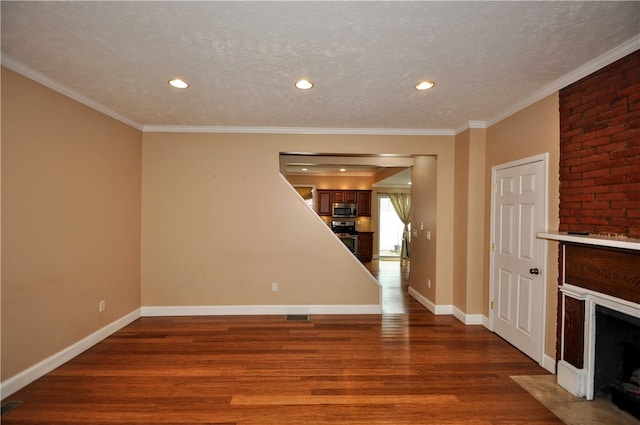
pixel 395 284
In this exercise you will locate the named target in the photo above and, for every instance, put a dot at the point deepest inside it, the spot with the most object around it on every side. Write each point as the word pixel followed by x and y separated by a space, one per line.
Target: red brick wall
pixel 600 151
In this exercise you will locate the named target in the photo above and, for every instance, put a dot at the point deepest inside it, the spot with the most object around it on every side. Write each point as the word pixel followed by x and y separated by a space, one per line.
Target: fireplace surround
pixel 599 275
pixel 598 194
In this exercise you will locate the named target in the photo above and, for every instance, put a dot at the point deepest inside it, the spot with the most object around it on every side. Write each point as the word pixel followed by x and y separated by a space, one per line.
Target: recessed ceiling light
pixel 343 169
pixel 178 83
pixel 425 85
pixel 304 84
pixel 304 169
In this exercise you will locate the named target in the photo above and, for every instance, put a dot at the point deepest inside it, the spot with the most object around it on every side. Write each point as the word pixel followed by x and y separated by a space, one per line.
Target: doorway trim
pixel 544 157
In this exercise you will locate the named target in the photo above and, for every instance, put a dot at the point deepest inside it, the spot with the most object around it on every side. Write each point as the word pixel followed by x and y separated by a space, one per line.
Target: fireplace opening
pixel 617 359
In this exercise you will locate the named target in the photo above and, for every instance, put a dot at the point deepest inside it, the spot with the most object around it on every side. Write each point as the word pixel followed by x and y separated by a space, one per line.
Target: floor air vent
pixel 297 317
pixel 8 406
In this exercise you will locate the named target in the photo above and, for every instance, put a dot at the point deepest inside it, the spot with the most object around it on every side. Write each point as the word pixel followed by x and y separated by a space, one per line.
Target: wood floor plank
pixel 356 400
pixel 405 366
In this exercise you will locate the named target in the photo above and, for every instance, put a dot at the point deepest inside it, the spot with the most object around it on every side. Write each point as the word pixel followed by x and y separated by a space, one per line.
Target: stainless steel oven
pixel 351 241
pixel 346 232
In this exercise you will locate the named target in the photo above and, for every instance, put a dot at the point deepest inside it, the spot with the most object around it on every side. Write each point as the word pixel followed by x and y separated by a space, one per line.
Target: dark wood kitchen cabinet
pixel 325 199
pixel 345 196
pixel 364 202
pixel 365 246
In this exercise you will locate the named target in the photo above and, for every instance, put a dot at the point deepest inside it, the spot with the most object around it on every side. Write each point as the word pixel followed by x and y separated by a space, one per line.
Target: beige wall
pixel 476 220
pixel 70 221
pixel 534 130
pixel 461 214
pixel 469 219
pixel 386 172
pixel 431 259
pixel 220 223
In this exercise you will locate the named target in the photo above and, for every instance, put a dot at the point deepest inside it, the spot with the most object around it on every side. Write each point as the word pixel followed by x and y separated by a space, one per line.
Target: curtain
pixel 402 205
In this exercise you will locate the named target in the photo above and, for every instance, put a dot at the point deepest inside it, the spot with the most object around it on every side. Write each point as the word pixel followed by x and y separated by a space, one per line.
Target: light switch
pixel 429 234
pixel 421 225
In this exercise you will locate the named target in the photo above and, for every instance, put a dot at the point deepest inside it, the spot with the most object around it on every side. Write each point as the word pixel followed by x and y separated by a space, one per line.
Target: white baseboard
pixel 549 363
pixel 486 322
pixel 467 319
pixel 253 310
pixel 422 300
pixel 435 309
pixel 38 370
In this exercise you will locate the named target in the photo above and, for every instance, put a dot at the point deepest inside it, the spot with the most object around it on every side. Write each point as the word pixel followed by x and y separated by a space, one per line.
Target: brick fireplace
pixel 599 230
pixel 600 151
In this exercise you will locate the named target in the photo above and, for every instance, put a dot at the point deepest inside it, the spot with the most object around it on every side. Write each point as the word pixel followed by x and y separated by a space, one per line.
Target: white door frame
pixel 545 161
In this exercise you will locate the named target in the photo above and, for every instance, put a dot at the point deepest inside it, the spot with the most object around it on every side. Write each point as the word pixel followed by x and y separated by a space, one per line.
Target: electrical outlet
pixel 102 306
pixel 274 286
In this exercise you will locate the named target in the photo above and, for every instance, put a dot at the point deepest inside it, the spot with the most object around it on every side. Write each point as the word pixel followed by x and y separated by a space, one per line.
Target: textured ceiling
pixel 242 58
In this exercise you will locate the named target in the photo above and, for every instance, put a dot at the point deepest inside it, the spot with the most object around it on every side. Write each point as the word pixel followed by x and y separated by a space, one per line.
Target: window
pixel 390 229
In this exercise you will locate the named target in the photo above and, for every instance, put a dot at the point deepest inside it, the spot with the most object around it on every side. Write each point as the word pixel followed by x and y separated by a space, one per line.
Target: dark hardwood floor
pixel 405 366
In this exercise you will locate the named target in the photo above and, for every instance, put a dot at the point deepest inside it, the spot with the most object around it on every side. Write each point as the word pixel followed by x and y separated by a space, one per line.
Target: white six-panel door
pixel 519 212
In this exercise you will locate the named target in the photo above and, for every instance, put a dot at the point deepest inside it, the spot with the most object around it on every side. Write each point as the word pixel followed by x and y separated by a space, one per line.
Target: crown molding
pixel 600 62
pixel 477 124
pixel 469 125
pixel 298 130
pixel 38 77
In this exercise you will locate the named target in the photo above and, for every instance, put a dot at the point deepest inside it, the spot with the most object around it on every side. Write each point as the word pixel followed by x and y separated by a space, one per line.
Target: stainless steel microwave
pixel 344 210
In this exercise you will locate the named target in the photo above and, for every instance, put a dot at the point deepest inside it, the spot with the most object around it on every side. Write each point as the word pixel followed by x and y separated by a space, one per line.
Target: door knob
pixel 534 271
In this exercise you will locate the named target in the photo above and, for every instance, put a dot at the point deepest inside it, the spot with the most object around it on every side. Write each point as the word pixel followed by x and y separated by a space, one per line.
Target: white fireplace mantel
pixel 591 277
pixel 599 240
